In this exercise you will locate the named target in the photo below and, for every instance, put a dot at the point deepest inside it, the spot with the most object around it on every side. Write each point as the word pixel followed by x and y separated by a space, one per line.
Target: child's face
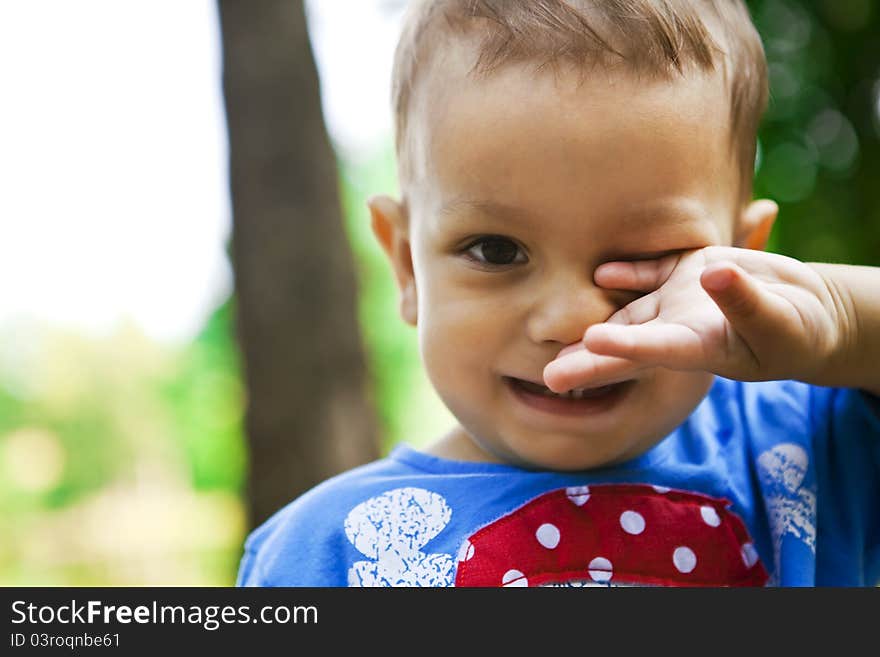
pixel 527 187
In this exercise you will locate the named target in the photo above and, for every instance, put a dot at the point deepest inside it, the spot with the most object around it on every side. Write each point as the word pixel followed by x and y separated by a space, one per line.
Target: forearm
pixel 856 360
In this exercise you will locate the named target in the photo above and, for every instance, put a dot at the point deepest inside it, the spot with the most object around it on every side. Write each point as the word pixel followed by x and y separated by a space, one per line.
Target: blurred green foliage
pixel 122 461
pixel 820 138
pixel 206 401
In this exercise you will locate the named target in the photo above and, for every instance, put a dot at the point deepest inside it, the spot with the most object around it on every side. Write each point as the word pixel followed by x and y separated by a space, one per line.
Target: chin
pixel 572 459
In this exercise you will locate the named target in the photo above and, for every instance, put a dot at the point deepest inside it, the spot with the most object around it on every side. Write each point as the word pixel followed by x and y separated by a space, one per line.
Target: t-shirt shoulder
pixel 316 498
pixel 280 550
pixel 311 523
pixel 806 413
pixel 403 462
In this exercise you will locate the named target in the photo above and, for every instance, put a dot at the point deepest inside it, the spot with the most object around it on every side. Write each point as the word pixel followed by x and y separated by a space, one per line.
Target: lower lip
pixel 571 407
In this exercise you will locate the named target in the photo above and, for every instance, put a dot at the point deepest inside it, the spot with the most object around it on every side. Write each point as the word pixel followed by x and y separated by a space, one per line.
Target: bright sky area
pixel 115 202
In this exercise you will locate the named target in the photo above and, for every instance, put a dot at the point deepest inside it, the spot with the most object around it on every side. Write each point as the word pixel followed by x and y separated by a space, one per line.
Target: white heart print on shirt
pixel 391 529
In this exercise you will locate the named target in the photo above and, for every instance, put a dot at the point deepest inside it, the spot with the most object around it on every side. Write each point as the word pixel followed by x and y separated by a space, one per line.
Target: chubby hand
pixel 739 313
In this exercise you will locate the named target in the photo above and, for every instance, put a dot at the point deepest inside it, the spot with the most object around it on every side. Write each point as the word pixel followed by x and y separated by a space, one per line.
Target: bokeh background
pixel 125 456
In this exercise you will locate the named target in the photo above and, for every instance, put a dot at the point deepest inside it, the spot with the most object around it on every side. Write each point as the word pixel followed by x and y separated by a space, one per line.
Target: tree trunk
pixel 308 413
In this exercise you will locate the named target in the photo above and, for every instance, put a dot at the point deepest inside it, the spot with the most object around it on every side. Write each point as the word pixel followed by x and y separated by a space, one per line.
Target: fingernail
pixel 548 377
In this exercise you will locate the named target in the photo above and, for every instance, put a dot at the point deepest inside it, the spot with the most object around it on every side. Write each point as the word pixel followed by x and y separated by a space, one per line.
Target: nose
pixel 565 307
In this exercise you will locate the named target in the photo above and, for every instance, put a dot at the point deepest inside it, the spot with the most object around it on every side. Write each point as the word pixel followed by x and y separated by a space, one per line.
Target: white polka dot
pixel 578 494
pixel 749 555
pixel 600 569
pixel 548 535
pixel 466 552
pixel 710 516
pixel 684 559
pixel 514 578
pixel 632 522
pixel 661 489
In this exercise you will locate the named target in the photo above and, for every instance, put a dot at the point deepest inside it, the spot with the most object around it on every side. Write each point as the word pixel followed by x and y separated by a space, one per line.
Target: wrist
pixel 851 359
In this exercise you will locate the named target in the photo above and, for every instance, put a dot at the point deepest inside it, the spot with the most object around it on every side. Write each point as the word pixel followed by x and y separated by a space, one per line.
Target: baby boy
pixel 643 395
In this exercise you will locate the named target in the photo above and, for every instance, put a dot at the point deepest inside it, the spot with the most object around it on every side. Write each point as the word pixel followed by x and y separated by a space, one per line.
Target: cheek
pixel 461 334
pixel 460 330
pixel 471 306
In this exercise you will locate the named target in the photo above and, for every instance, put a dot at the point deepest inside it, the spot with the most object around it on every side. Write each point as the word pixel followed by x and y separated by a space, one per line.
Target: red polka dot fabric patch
pixel 613 534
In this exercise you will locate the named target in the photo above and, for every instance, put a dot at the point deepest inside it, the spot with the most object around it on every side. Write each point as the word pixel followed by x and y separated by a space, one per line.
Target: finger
pixel 753 312
pixel 642 310
pixel 570 349
pixel 655 343
pixel 639 275
pixel 578 368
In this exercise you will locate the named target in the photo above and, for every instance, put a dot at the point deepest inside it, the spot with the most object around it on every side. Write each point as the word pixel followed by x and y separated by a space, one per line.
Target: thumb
pixel 754 313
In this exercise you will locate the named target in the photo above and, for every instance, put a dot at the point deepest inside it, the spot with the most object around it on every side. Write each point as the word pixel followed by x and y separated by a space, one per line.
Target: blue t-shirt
pixel 773 483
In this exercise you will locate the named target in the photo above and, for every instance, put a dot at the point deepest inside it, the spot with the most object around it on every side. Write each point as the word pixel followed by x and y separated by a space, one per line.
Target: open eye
pixel 496 250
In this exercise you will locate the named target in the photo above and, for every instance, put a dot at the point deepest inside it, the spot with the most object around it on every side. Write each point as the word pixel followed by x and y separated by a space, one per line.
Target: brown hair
pixel 659 38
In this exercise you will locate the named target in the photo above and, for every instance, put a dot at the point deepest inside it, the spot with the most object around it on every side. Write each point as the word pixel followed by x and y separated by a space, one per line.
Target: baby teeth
pixel 576 393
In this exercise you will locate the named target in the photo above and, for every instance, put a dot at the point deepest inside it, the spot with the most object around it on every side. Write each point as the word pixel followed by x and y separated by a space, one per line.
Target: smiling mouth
pixel 577 401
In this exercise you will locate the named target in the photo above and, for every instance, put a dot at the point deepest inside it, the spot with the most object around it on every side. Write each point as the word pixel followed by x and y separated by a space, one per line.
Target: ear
pixel 755 223
pixel 390 223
